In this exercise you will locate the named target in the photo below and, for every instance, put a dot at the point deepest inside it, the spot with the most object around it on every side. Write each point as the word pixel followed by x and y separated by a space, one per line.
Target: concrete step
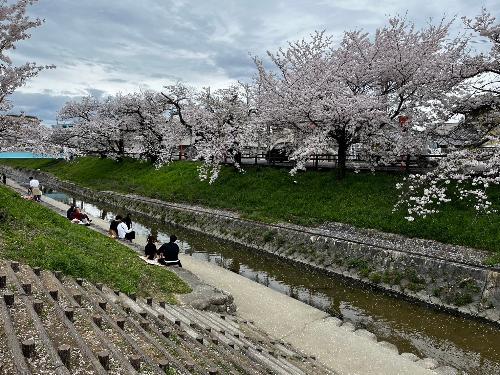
pixel 55 324
pixel 238 338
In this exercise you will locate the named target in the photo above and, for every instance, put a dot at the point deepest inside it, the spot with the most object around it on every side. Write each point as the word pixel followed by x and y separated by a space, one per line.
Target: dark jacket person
pixel 128 221
pixel 150 249
pixel 113 227
pixel 69 213
pixel 169 253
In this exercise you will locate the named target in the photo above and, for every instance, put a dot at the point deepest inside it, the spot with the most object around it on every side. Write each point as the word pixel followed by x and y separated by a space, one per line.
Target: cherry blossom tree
pixel 158 131
pixel 26 133
pixel 335 96
pixel 218 122
pixel 86 134
pixel 303 96
pixel 474 165
pixel 140 125
pixel 108 127
pixel 221 119
pixel 415 71
pixel 14 27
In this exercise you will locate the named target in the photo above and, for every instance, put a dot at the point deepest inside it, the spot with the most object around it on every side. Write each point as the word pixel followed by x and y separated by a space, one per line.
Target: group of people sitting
pixel 76 215
pixel 121 227
pixel 167 254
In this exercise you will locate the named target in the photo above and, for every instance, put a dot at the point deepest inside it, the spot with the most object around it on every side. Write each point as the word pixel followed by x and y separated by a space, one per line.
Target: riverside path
pixel 306 328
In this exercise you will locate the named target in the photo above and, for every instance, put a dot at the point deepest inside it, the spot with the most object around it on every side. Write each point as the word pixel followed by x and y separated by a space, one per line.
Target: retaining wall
pixel 455 283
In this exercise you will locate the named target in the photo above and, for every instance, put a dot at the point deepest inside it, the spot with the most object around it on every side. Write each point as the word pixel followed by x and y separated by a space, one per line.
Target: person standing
pixel 169 253
pixel 33 182
pixel 34 189
pixel 4 179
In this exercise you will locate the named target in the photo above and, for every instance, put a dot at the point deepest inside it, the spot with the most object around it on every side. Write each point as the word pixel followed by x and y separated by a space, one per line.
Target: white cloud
pixel 121 46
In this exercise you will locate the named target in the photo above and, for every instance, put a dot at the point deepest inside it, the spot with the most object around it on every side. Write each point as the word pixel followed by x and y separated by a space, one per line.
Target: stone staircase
pixel 53 324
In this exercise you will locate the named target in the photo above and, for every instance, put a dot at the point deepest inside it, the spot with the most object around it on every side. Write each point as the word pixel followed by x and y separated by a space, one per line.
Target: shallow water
pixel 469 345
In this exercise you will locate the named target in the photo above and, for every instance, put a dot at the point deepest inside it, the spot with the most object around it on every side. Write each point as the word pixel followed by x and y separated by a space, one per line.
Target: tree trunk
pixel 237 158
pixel 407 164
pixel 341 159
pixel 152 158
pixel 121 149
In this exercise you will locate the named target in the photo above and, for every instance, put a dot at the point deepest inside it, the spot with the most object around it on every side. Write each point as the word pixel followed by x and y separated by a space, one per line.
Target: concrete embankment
pixel 76 327
pixel 338 346
pixel 447 277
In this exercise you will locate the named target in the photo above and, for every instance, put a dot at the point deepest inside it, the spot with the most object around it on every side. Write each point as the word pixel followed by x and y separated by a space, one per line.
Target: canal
pixel 471 346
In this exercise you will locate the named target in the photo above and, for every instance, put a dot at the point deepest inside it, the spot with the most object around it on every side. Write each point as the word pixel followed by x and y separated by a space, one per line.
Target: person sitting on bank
pixel 70 211
pixel 113 226
pixel 127 220
pixel 124 233
pixel 79 217
pixel 169 253
pixel 150 249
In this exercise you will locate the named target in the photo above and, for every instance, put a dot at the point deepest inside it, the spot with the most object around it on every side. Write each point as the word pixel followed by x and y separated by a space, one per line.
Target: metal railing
pixel 327 160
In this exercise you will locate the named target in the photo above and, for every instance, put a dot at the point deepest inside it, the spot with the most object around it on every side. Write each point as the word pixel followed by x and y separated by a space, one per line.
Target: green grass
pixel 34 235
pixel 270 194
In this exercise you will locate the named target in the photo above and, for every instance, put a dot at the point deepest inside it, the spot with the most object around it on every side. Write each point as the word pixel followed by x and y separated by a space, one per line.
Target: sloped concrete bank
pixel 443 276
pixel 202 296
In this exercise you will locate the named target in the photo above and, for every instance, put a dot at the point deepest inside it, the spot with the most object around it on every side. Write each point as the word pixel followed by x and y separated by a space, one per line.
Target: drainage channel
pixel 471 346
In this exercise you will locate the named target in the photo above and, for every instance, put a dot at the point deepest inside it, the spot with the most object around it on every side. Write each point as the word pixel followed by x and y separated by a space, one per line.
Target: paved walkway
pixel 282 317
pixel 305 327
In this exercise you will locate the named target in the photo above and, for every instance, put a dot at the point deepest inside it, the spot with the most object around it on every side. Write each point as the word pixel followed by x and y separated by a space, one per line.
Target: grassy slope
pixel 35 235
pixel 270 194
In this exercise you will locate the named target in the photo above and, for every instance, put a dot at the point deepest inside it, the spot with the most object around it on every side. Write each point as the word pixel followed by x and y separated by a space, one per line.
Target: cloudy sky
pixel 103 47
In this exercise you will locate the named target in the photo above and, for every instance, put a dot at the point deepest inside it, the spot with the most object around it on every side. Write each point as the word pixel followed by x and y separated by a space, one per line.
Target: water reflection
pixel 470 346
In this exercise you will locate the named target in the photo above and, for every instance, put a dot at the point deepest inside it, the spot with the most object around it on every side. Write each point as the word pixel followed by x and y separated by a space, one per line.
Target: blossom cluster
pixel 464 175
pixel 386 93
pixel 15 26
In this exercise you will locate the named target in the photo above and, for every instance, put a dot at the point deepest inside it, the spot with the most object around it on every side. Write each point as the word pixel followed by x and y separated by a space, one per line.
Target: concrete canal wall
pixel 444 276
pixel 318 336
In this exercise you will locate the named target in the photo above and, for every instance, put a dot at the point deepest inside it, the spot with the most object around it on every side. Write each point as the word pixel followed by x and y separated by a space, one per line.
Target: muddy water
pixel 470 346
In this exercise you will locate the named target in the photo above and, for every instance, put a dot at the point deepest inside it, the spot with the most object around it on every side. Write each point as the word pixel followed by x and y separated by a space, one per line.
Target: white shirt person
pixel 124 233
pixel 34 183
pixel 34 189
